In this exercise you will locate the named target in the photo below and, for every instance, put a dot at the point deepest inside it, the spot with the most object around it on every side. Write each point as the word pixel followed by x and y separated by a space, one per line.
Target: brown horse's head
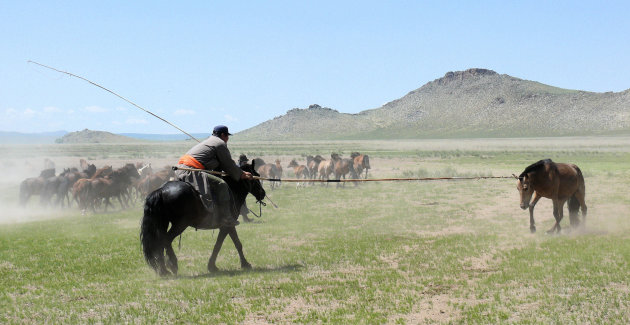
pixel 525 189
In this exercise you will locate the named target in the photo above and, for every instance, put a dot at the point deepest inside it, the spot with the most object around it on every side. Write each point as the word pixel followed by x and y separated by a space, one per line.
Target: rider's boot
pixel 225 214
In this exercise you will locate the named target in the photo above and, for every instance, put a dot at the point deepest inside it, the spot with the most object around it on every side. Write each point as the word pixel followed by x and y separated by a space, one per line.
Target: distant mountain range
pixel 89 136
pixel 30 138
pixel 461 104
pixel 471 103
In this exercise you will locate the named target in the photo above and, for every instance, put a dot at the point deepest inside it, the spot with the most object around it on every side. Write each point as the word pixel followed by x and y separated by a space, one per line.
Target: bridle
pixel 260 205
pixel 259 201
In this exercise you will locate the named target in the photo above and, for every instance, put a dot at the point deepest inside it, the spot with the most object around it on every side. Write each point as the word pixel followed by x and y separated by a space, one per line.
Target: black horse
pixel 179 204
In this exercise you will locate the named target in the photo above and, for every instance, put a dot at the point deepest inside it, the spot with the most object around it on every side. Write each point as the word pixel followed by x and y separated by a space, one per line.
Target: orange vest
pixel 190 161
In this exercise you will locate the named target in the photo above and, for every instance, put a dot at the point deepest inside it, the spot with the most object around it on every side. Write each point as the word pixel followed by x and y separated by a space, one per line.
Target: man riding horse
pixel 212 154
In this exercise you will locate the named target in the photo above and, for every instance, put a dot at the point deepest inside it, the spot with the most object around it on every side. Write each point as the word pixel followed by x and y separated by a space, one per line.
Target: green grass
pixel 396 252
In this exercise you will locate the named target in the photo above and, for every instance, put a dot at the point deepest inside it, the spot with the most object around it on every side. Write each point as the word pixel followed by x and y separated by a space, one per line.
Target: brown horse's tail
pixel 574 203
pixel 574 208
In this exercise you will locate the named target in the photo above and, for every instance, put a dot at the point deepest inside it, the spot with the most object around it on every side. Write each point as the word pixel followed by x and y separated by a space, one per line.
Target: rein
pixel 260 205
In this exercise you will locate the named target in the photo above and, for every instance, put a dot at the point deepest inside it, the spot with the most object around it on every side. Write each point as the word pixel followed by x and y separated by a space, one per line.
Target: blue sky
pixel 240 63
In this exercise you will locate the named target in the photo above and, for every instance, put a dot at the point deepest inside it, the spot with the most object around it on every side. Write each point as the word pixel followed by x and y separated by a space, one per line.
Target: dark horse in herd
pixel 556 181
pixel 179 204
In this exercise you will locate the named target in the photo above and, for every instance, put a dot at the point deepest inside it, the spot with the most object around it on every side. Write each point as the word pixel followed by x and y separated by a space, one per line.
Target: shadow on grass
pixel 260 270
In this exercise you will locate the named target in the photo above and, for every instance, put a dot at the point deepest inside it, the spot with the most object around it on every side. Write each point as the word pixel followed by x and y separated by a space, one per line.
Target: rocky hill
pixel 471 103
pixel 89 136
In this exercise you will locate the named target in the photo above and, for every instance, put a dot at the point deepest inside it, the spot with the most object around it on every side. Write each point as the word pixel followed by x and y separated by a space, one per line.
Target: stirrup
pixel 207 202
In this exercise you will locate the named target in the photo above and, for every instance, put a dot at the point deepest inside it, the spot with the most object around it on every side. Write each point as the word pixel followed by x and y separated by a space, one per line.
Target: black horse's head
pixel 253 186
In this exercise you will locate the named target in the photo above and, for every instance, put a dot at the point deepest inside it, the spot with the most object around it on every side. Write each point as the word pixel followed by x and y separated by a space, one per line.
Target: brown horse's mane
pixel 535 166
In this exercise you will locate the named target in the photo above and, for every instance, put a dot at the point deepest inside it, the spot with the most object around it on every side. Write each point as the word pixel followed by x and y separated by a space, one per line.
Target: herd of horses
pixel 93 188
pixel 317 168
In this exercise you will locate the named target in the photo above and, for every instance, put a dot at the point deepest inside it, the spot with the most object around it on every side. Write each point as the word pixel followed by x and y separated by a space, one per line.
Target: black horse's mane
pixel 535 166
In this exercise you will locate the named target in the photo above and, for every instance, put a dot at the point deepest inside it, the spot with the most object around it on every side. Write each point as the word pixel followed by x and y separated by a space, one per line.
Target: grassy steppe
pixel 407 252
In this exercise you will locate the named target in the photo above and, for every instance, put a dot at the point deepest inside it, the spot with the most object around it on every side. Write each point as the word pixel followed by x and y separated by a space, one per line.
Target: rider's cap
pixel 221 129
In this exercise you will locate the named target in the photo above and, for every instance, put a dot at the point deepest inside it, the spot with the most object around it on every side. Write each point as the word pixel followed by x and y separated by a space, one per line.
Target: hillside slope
pixel 471 103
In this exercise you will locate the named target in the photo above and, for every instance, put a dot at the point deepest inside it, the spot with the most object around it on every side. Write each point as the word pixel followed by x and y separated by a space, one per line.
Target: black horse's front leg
pixel 239 248
pixel 212 266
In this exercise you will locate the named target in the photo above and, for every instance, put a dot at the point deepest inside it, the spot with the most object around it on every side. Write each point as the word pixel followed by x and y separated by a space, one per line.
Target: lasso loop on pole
pixel 115 94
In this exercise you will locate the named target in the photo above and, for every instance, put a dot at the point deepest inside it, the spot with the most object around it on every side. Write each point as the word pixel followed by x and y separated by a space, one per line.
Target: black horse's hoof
pixel 164 273
pixel 213 268
pixel 532 230
pixel 246 266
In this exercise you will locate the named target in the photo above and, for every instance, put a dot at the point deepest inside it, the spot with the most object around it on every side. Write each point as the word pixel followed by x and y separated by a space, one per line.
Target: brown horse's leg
pixel 212 266
pixel 122 205
pixel 107 203
pixel 560 214
pixel 557 214
pixel 532 224
pixel 239 248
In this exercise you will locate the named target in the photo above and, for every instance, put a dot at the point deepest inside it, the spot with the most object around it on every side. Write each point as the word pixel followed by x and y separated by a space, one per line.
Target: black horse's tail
pixel 152 230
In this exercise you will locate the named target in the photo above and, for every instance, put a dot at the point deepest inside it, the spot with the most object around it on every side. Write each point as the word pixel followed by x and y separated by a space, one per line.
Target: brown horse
pixel 300 171
pixel 153 181
pixel 556 181
pixel 313 165
pixel 361 162
pixel 80 192
pixel 102 172
pixel 324 169
pixel 341 167
pixel 267 171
